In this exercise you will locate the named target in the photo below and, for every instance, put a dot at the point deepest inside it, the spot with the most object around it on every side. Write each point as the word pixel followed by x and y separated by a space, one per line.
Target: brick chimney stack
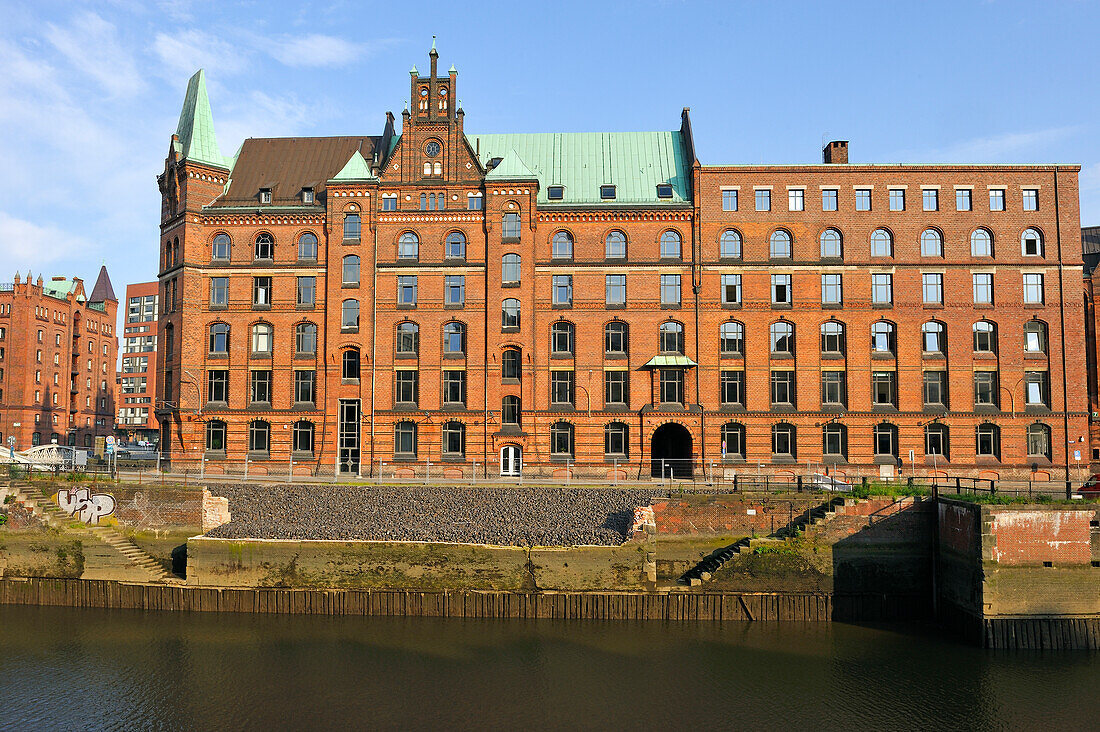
pixel 836 152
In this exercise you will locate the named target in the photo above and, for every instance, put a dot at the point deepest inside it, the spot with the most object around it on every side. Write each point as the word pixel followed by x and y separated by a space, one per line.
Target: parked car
pixel 1091 488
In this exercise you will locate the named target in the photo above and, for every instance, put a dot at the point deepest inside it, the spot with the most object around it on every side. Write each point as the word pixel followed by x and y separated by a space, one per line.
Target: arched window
pixel 456 245
pixel 454 338
pixel 349 315
pixel 259 436
pixel 510 269
pixel 305 339
pixel 988 440
pixel 1031 243
pixel 561 439
pixel 985 337
pixel 936 440
pixel 408 338
pixel 36 438
pixel 831 244
pixel 404 439
pixel 408 246
pixel 1035 336
pixel 510 410
pixel 733 441
pixel 616 440
pixel 780 245
pixel 510 226
pixel 834 442
pixel 672 337
pixel 220 248
pixel 511 363
pixel 883 337
pixel 729 245
pixel 832 337
pixel 615 339
pixel 351 226
pixel 215 435
pixel 349 363
pixel 931 243
pixel 882 243
pixel 615 245
pixel 1038 441
pixel 262 337
pixel 454 439
pixel 783 440
pixel 731 337
pixel 307 246
pixel 351 270
pixel 302 437
pixel 981 243
pixel 934 337
pixel 782 338
pixel 561 246
pixel 886 440
pixel 670 245
pixel 509 314
pixel 265 246
pixel 561 338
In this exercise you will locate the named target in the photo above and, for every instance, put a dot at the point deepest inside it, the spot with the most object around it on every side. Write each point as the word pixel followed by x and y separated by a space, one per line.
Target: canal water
pixel 68 668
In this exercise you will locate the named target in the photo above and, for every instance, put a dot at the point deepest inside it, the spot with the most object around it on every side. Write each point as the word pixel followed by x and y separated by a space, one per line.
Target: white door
pixel 511 461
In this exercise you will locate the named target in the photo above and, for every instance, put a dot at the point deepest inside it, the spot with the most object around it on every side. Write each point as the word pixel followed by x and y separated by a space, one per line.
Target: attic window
pixel 664 190
pixel 265 195
pixel 555 193
pixel 494 162
pixel 607 192
pixel 307 195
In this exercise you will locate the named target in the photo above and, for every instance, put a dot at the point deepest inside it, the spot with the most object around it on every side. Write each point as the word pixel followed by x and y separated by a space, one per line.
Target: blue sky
pixel 91 92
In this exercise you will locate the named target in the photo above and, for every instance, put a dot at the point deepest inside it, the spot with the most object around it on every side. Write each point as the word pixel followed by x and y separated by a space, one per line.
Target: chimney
pixel 835 153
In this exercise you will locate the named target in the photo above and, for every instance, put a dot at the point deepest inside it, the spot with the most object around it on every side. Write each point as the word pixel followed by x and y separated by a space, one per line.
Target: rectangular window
pixel 781 289
pixel 1037 389
pixel 882 289
pixel 217 383
pixel 1031 199
pixel 932 288
pixel 261 291
pixel 983 289
pixel 985 388
pixel 455 290
pixel 474 202
pixel 454 388
pixel 1033 289
pixel 831 289
pixel 828 199
pixel 733 388
pixel 763 199
pixel 615 388
pixel 729 200
pixel 884 388
pixel 672 386
pixel 615 289
pixel 307 291
pixel 555 193
pixel 219 291
pixel 510 226
pixel 260 392
pixel 670 289
pixel 782 388
pixel 607 192
pixel 563 290
pixel 406 289
pixel 406 387
pixel 731 289
pixel 834 392
pixel 389 203
pixel 561 388
pixel 863 199
pixel 304 383
pixel 897 199
pixel 935 388
pixel 796 200
pixel 962 199
pixel 931 199
pixel 996 199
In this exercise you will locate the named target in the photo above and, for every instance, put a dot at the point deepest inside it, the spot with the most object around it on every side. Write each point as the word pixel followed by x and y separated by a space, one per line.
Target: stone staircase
pixel 49 513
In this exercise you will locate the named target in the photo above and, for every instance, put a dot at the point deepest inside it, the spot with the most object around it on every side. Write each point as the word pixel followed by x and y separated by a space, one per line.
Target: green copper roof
pixel 633 162
pixel 511 168
pixel 58 288
pixel 355 169
pixel 196 126
pixel 674 361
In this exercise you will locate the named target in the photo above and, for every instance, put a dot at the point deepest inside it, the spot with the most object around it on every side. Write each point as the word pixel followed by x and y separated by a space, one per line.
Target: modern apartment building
pixel 137 379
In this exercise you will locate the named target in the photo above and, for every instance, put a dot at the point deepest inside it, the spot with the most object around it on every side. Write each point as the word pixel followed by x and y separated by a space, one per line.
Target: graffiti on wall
pixel 83 504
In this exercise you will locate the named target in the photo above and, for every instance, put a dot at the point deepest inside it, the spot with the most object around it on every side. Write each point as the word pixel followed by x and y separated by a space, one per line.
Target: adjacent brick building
pixel 524 302
pixel 58 351
pixel 137 379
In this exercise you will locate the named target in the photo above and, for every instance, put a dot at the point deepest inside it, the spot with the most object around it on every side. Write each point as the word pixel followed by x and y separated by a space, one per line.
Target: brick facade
pixel 394 182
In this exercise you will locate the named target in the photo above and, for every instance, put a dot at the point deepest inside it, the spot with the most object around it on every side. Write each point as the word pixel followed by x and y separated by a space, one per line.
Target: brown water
pixel 68 668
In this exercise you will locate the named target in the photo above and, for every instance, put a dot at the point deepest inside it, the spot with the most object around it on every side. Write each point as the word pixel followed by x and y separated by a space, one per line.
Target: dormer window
pixel 607 192
pixel 265 195
pixel 555 193
pixel 307 196
pixel 664 190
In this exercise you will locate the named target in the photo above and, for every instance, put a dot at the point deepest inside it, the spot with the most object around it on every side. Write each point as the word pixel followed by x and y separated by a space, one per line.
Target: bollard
pixel 799 483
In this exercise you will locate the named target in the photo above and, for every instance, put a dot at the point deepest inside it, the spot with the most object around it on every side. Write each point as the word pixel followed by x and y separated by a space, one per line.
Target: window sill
pixel 350 242
pixel 986 356
pixel 1034 305
pixel 884 409
pixel 882 305
pixel 311 260
pixel 509 329
pixel 255 457
pixel 1035 356
pixel 733 459
pixel 214 455
pixel 615 306
pixel 349 382
pixel 987 409
pixel 561 306
pixel 614 356
pixel 259 406
pixel 217 405
pixel 562 458
pixel 732 356
pixel 934 409
pixel 260 356
pixel 732 408
pixel 305 307
pixel 304 407
pixel 562 408
pixel 453 356
pixel 783 459
pixel 507 285
pixel 729 260
pixel 568 356
pixel 216 356
pixel 1037 409
pixel 987 460
pixel 301 455
pixel 406 306
pixel 405 407
pixel 670 306
pixel 509 381
pixel 617 408
pixel 218 307
pixel 783 408
pixel 453 458
pixel 932 305
pixel 832 260
pixel 260 307
pixel 509 239
pixel 347 329
pixel 885 460
pixel 731 306
pixel 834 459
pixel 933 356
pixel 883 357
pixel 778 356
pixel 404 458
pixel 454 306
pixel 781 306
pixel 405 356
pixel 452 407
pixel 833 408
pixel 832 356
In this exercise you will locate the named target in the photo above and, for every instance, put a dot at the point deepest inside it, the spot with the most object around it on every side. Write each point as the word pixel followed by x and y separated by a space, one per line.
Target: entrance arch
pixel 511 461
pixel 671 451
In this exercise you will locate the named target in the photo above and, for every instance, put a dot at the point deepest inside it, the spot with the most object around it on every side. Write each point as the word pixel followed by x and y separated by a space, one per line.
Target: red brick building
pixel 431 299
pixel 137 380
pixel 57 361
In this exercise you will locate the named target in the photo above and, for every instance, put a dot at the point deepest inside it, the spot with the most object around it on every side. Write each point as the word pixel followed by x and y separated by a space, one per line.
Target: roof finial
pixel 433 47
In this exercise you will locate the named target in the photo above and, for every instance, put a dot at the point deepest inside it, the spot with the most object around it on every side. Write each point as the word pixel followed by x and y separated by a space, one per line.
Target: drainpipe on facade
pixel 1062 326
pixel 373 348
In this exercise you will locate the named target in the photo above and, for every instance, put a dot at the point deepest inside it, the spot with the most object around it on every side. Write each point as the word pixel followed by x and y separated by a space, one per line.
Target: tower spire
pixel 196 126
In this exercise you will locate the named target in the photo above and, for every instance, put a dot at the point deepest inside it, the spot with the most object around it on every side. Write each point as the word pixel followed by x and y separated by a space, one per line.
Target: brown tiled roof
pixel 1090 239
pixel 286 165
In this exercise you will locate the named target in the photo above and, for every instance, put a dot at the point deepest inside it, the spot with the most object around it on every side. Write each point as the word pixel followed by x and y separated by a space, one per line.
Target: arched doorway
pixel 511 461
pixel 671 451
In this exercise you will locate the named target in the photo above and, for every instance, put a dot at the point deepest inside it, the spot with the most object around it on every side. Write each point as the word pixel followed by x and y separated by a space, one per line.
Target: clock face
pixel 432 149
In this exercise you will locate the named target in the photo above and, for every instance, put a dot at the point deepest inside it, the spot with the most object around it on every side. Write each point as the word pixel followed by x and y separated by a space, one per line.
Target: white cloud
pixel 25 243
pixel 186 52
pixel 261 115
pixel 1006 147
pixel 91 44
pixel 316 50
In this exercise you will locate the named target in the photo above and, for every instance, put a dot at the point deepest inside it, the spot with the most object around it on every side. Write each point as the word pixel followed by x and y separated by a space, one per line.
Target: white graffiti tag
pixel 88 507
